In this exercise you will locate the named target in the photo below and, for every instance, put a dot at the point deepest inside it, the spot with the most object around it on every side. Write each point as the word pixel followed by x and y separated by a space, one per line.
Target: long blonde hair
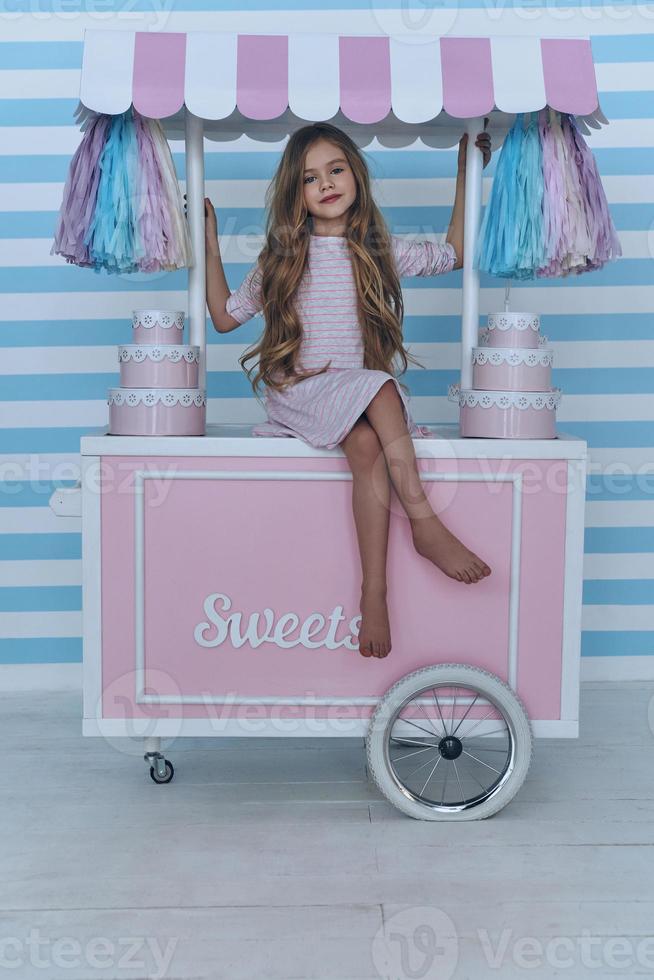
pixel 283 259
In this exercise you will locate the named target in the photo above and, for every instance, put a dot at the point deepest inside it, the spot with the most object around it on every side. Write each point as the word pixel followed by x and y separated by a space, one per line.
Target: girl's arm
pixel 217 289
pixel 245 302
pixel 455 230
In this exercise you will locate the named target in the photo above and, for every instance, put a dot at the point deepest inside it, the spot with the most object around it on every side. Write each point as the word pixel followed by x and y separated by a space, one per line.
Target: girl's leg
pixel 370 504
pixel 431 538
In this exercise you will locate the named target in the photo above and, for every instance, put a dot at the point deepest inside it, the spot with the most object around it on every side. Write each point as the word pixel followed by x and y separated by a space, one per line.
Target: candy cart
pixel 221 572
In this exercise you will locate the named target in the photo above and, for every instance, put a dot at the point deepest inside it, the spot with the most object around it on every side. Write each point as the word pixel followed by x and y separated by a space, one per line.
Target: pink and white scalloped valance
pixel 316 77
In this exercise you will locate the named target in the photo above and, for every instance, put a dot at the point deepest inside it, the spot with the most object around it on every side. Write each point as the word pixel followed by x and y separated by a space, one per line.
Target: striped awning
pixel 250 81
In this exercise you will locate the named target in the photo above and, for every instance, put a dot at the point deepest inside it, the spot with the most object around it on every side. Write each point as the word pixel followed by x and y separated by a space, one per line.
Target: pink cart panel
pixel 229 587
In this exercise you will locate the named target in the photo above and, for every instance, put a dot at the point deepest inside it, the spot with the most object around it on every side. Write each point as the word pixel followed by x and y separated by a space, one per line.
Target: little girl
pixel 328 283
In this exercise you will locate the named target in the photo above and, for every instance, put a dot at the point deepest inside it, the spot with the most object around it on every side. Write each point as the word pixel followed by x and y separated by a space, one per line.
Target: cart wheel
pixel 449 742
pixel 170 772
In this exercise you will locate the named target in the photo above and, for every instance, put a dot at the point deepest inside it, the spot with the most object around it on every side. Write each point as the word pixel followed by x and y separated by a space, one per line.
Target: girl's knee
pixel 362 442
pixel 387 390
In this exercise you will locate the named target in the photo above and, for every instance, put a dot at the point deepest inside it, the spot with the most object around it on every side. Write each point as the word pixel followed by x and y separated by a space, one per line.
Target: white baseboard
pixel 68 677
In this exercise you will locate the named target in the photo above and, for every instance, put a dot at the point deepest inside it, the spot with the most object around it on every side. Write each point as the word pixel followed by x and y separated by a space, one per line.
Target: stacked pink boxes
pixel 158 393
pixel 511 395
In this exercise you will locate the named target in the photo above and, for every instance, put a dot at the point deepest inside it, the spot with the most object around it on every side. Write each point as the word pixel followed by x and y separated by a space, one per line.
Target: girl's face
pixel 327 174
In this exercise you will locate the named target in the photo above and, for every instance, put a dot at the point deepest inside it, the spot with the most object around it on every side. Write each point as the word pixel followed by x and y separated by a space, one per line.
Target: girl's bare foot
pixel 374 630
pixel 432 540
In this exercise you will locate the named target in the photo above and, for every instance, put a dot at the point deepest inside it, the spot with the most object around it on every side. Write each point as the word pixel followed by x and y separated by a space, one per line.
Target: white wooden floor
pixel 277 859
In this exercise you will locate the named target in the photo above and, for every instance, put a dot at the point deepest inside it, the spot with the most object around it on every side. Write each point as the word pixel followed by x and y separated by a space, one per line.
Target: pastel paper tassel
pixel 497 242
pixel 112 237
pixel 80 195
pixel 152 214
pixel 555 218
pixel 122 209
pixel 605 244
pixel 529 209
pixel 179 246
pixel 547 214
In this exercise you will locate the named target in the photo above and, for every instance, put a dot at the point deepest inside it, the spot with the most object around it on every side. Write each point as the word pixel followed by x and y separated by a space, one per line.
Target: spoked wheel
pixel 449 742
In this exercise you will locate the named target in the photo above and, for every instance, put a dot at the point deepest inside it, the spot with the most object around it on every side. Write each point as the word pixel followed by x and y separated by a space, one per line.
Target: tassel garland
pixel 122 208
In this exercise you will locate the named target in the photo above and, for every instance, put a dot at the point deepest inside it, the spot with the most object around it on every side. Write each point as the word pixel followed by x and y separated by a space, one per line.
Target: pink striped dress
pixel 322 410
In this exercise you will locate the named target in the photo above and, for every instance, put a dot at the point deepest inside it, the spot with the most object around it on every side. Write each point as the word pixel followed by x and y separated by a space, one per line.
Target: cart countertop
pixel 236 439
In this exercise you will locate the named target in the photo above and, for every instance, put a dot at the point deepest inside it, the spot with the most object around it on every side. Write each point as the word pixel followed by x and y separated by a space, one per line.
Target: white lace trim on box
pixel 135 352
pixel 158 318
pixel 472 397
pixel 151 396
pixel 532 356
pixel 515 321
pixel 484 337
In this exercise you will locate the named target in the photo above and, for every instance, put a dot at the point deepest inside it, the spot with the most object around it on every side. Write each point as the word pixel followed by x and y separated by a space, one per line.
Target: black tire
pixel 170 772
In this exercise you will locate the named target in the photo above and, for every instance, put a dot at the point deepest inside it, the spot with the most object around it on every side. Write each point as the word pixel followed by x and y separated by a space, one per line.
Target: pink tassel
pixel 605 244
pixel 80 195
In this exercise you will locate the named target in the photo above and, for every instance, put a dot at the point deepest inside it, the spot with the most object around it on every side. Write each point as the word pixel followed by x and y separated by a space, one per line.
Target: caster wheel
pixel 449 742
pixel 170 772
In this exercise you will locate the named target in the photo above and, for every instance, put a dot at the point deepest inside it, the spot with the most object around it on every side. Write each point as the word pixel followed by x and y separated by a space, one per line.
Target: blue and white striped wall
pixel 59 325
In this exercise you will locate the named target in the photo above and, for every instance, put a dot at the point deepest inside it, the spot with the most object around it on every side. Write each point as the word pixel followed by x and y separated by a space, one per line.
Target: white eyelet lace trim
pixel 472 397
pixel 532 356
pixel 151 396
pixel 516 321
pixel 158 318
pixel 484 337
pixel 175 353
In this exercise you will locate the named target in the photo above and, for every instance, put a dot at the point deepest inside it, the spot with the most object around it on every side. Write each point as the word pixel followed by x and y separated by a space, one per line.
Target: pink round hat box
pixel 512 368
pixel 513 329
pixel 506 414
pixel 157 411
pixel 158 326
pixel 159 365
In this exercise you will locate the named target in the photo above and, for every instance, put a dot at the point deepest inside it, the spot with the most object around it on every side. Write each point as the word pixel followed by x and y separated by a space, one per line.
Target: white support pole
pixel 472 221
pixel 197 302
